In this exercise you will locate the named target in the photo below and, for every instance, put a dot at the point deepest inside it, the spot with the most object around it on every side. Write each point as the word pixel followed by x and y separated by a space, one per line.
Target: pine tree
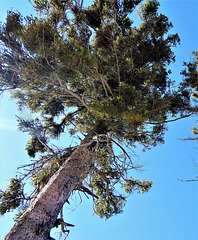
pixel 91 72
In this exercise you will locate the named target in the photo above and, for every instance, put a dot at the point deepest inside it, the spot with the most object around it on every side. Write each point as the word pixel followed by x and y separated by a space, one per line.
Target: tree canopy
pixel 91 71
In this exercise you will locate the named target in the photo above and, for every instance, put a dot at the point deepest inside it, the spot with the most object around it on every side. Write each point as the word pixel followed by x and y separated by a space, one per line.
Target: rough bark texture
pixel 40 217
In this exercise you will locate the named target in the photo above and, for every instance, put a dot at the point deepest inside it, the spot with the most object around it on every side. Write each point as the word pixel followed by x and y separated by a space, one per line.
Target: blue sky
pixel 170 210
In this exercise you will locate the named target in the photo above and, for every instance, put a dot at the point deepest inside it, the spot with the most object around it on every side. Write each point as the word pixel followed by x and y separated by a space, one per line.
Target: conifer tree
pixel 91 72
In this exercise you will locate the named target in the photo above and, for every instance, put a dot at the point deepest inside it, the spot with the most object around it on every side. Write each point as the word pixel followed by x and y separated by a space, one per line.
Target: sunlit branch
pixel 173 120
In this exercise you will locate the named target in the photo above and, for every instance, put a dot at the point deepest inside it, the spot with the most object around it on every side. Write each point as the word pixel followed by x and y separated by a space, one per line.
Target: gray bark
pixel 40 217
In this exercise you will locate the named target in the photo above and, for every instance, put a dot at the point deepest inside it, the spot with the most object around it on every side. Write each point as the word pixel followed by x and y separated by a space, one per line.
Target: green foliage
pixel 35 145
pixel 41 178
pixel 190 74
pixel 40 4
pixel 129 5
pixel 149 9
pixel 12 197
pixel 105 209
pixel 38 36
pixel 132 185
pixel 195 130
pixel 54 107
pixel 93 15
pixel 110 201
pixel 94 73
pixel 13 22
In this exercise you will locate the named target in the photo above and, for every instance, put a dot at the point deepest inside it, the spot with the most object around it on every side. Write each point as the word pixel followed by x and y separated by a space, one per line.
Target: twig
pixel 192 180
pixel 123 150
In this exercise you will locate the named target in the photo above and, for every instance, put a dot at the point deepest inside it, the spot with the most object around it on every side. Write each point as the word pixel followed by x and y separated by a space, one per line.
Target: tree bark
pixel 41 215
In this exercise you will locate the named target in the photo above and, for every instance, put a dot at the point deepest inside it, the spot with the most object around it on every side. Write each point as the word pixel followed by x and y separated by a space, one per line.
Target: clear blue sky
pixel 170 210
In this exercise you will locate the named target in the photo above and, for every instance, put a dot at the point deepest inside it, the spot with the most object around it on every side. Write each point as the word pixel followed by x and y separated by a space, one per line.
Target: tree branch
pixel 172 120
pixel 105 179
pixel 87 191
pixel 192 180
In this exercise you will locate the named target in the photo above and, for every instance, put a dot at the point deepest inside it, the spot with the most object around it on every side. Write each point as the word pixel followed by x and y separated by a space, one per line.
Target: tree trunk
pixel 41 215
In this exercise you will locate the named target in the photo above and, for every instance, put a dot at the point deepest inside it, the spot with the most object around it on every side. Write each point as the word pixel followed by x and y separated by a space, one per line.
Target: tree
pixel 90 71
pixel 190 74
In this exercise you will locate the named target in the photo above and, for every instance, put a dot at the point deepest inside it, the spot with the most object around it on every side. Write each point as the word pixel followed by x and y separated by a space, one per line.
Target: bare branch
pixel 173 120
pixel 189 139
pixel 122 150
pixel 192 180
pixel 87 191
